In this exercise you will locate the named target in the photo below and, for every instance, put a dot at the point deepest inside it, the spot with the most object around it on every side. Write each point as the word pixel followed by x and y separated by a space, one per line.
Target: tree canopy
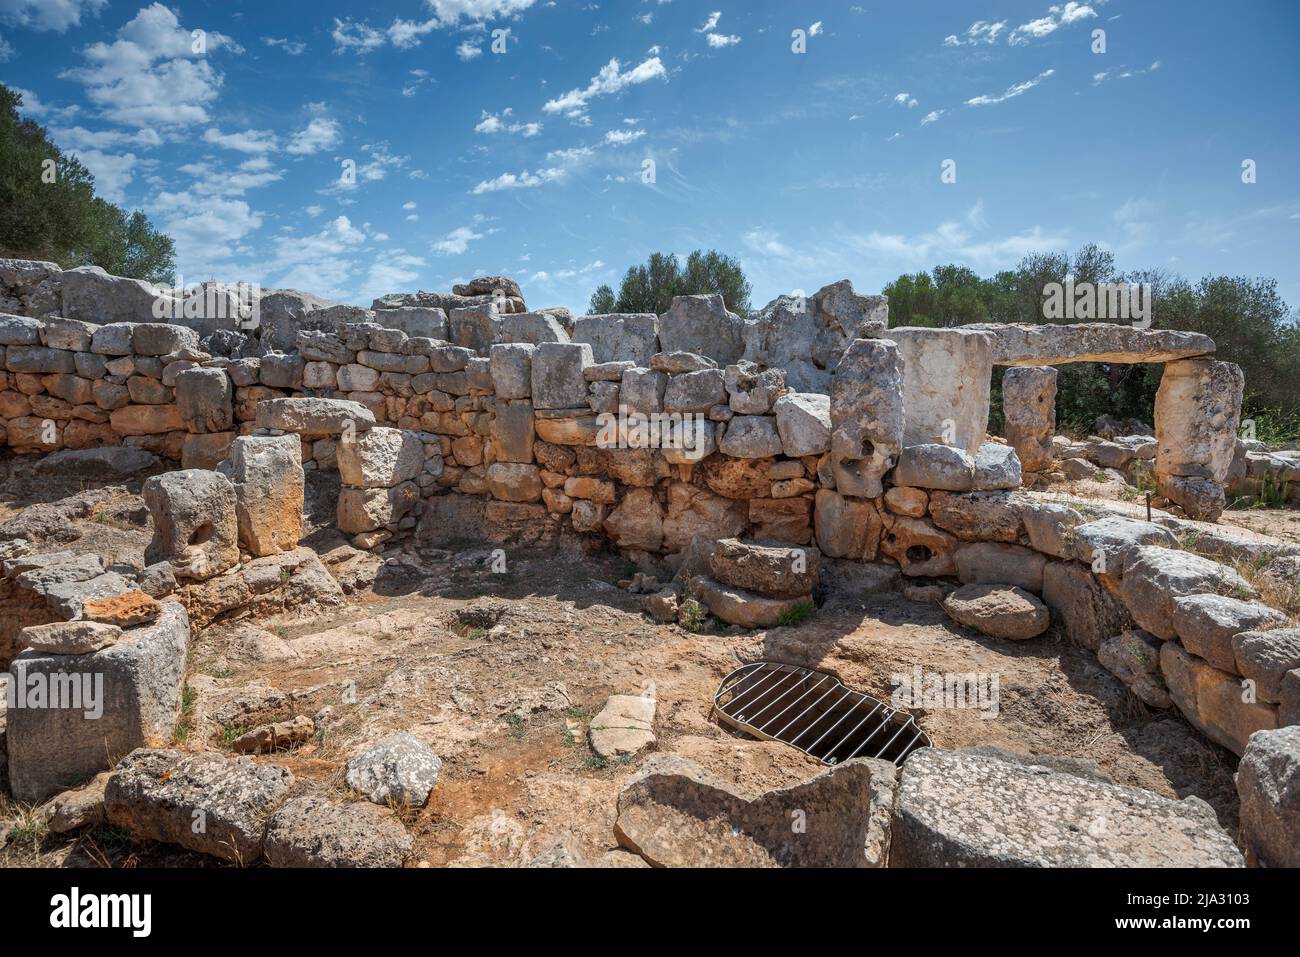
pixel 652 286
pixel 49 210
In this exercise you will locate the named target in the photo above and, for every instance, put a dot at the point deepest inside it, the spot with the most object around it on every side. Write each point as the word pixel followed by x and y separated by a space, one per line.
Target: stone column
pixel 867 415
pixel 1029 411
pixel 1198 410
pixel 946 378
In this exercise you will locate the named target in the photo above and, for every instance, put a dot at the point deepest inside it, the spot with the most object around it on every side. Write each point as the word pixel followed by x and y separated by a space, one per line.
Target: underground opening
pixel 814 713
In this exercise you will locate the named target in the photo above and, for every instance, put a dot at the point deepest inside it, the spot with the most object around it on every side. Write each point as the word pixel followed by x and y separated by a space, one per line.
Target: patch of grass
pixel 231 732
pixel 1273 491
pixel 570 738
pixel 795 615
pixel 517 726
pixel 186 723
pixel 477 634
pixel 1274 590
pixel 596 763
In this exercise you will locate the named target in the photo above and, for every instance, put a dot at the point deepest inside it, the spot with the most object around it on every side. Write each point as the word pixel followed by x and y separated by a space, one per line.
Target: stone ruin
pixel 742 451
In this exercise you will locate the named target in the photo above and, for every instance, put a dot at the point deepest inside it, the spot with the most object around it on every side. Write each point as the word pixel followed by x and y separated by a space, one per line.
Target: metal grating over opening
pixel 813 712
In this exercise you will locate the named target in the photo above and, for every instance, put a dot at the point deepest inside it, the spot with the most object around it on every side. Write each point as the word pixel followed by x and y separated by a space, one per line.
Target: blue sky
pixel 529 160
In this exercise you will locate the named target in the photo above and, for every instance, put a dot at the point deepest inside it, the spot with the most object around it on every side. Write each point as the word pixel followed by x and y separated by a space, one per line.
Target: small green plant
pixel 476 634
pixel 692 616
pixel 570 737
pixel 596 762
pixel 1273 490
pixel 795 615
pixel 183 726
pixel 516 726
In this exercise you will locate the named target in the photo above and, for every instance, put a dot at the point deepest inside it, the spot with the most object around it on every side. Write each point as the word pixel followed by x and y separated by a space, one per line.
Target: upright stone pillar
pixel 1198 411
pixel 947 374
pixel 866 416
pixel 1029 413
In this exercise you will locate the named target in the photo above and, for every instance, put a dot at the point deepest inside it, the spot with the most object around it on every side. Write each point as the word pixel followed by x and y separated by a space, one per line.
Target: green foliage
pixel 652 286
pixel 795 615
pixel 63 221
pixel 1246 317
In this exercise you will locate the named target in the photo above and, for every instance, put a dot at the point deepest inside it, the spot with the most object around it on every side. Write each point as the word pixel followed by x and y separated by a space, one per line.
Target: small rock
pixel 400 768
pixel 999 611
pixel 71 637
pixel 624 726
pixel 124 610
pixel 279 736
pixel 310 831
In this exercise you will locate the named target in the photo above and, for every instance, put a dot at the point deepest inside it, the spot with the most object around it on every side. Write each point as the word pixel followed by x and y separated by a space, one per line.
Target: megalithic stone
pixel 1029 411
pixel 866 416
pixel 947 374
pixel 1198 411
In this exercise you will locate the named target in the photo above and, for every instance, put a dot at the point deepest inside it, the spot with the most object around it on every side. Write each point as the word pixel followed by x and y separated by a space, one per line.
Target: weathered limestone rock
pixel 511 364
pixel 1212 700
pixel 806 335
pixel 752 390
pixel 846 527
pixel 116 461
pixel 991 563
pixel 737 478
pixel 1265 657
pixel 767 570
pixel 163 795
pixel 1042 344
pixel 619 337
pixel 277 736
pixel 935 466
pixel 999 611
pixel 996 467
pixel 1198 409
pixel 642 390
pixel 1133 657
pixel 624 727
pixel 675 814
pixel 703 325
pixel 70 637
pixel 514 482
pixel 204 398
pixel 1048 525
pixel 866 416
pixel 380 458
pixel 400 768
pixel 146 419
pixel 123 610
pixel 310 831
pixel 1106 544
pixel 695 511
pixel 557 379
pixel 369 509
pixel 638 522
pixel 195 527
pixel 1206 625
pixel 946 379
pixel 803 420
pixel 1268 783
pixel 513 431
pixel 1087 611
pixel 266 472
pixel 962 809
pixel 921 550
pixel 1029 413
pixel 74 713
pixel 1155 576
pixel 912 502
pixel 694 391
pixel 75 809
pixel 751 437
pixel 314 418
pixel 978 516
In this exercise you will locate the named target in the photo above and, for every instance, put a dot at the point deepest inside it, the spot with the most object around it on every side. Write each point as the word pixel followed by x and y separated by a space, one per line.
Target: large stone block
pixel 703 325
pixel 846 527
pixel 1216 703
pixel 631 337
pixel 557 378
pixel 968 809
pixel 1048 344
pixel 370 509
pixel 72 715
pixel 194 523
pixel 866 416
pixel 642 390
pixel 1087 611
pixel 803 420
pixel 695 511
pixel 514 482
pixel 268 478
pixel 1029 413
pixel 511 364
pixel 1268 783
pixel 314 418
pixel 380 458
pixel 1155 576
pixel 205 399
pixel 947 374
pixel 513 431
pixel 1198 409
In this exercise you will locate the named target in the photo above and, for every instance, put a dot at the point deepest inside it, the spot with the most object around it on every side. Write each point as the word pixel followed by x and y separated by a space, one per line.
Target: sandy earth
pixel 501 674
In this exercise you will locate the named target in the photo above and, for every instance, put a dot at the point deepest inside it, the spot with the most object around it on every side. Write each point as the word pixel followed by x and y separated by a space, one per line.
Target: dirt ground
pixel 502 674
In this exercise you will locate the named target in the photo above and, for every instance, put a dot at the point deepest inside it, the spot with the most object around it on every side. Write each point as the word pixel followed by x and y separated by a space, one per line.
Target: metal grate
pixel 813 712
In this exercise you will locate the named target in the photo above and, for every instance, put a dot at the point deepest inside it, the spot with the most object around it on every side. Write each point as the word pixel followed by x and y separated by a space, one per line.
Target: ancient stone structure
pixel 743 457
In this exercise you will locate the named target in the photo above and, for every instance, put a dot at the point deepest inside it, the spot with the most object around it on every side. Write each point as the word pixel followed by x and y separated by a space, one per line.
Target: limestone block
pixel 194 523
pixel 947 374
pixel 866 416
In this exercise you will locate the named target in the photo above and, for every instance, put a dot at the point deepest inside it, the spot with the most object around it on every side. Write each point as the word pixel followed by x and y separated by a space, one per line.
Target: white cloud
pixel 206 229
pixel 450 12
pixel 623 137
pixel 524 180
pixel 711 23
pixel 55 15
pixel 932 116
pixel 492 123
pixel 321 133
pixel 6 50
pixel 457 241
pixel 112 173
pixel 468 50
pixel 409 204
pixel 321 262
pixel 611 79
pixel 1122 73
pixel 1057 17
pixel 356 37
pixel 1014 90
pixel 80 138
pixel 291 47
pixel 907 100
pixel 405 34
pixel 397 269
pixel 249 141
pixel 151 75
pixel 717 40
pixel 979 32
pixel 815 29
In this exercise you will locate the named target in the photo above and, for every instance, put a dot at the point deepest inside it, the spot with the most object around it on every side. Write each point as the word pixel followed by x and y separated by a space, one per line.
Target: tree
pixel 49 210
pixel 652 286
